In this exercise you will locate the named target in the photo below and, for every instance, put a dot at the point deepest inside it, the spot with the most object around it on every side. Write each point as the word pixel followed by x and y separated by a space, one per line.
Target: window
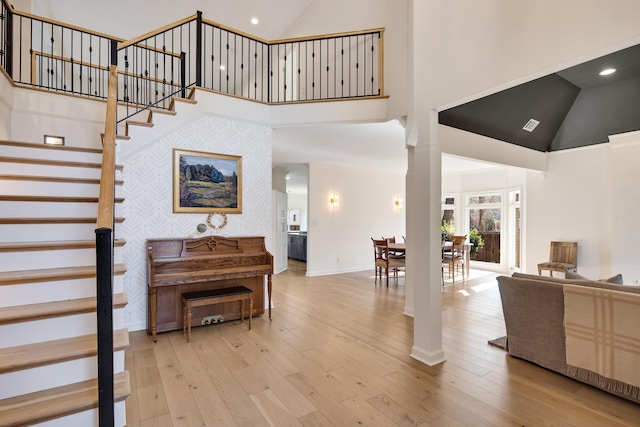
pixel 448 215
pixel 484 214
pixel 515 230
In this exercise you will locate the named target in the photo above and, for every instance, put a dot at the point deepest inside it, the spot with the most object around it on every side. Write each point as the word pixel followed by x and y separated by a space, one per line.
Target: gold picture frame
pixel 206 182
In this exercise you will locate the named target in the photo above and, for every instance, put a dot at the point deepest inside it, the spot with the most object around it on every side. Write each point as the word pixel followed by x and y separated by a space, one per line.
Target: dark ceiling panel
pixel 598 112
pixel 502 115
pixel 576 107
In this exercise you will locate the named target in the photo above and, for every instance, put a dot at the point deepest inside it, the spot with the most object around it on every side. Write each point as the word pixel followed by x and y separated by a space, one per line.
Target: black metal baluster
pixel 335 68
pixel 255 71
pixel 235 65
pixel 299 62
pixel 226 67
pixel 52 61
pixel 198 49
pixel 372 65
pixel 81 60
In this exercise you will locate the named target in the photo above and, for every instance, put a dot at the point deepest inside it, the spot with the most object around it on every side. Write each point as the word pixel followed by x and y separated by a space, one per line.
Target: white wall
pixel 148 206
pixel 6 105
pixel 571 202
pixel 36 113
pixel 339 240
pixel 625 206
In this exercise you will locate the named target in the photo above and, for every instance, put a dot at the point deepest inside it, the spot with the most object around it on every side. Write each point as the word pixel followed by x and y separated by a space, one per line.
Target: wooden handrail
pixel 161 30
pixel 107 177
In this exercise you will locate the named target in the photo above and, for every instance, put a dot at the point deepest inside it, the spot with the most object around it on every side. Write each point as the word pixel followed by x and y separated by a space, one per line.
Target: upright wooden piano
pixel 179 265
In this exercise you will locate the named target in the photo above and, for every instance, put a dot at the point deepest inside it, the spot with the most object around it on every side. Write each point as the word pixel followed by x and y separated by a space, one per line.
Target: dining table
pixel 401 247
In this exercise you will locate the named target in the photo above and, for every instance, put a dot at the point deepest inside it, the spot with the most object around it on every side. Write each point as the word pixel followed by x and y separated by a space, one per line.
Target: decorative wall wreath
pixel 220 223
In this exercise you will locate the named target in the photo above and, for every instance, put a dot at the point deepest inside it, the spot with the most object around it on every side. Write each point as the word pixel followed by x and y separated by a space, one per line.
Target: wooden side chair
pixel 386 261
pixel 563 257
pixel 454 258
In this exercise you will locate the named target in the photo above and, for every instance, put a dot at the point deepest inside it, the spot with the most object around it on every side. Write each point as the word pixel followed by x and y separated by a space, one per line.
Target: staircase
pixel 48 364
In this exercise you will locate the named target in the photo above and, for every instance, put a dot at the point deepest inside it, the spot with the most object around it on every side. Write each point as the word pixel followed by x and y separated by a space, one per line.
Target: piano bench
pixel 214 296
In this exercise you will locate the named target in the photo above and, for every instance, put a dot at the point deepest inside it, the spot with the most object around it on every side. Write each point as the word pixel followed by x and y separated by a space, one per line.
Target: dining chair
pixel 563 257
pixel 454 258
pixel 386 261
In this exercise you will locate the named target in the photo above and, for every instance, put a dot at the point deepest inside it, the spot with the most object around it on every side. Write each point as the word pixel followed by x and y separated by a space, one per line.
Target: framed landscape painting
pixel 206 182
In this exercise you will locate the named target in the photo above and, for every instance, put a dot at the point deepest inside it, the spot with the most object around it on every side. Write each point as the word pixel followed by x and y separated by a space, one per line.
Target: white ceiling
pixel 122 18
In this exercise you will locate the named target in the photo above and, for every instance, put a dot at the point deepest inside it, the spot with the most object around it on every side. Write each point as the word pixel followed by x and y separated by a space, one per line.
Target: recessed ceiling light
pixel 607 71
pixel 222 67
pixel 254 21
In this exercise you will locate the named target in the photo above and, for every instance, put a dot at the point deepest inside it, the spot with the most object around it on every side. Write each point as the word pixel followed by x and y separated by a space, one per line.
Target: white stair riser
pixel 52 209
pixel 88 418
pixel 29 260
pixel 37 152
pixel 25 169
pixel 35 293
pixel 38 188
pixel 56 375
pixel 55 328
pixel 49 232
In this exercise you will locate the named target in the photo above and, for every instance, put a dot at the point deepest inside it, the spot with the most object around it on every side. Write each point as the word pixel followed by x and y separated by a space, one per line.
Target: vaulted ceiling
pixel 575 107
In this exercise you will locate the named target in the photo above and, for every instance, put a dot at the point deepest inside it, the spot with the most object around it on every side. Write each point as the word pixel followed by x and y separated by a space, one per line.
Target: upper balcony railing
pixel 197 52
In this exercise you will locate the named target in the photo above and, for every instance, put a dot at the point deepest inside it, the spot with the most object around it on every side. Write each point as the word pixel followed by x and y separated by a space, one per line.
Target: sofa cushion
pixel 584 282
pixel 617 279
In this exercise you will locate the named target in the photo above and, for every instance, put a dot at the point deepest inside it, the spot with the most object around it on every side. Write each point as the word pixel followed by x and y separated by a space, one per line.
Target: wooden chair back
pixel 383 260
pixel 564 252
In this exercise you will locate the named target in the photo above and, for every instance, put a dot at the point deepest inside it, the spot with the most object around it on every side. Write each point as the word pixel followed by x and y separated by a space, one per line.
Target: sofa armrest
pixel 534 315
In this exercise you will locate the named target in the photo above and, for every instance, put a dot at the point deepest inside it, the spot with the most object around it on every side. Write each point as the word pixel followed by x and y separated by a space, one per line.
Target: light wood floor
pixel 337 354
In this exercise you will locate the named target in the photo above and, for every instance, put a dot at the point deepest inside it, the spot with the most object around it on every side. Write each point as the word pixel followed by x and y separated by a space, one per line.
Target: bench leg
pixel 250 311
pixel 188 322
pixel 184 318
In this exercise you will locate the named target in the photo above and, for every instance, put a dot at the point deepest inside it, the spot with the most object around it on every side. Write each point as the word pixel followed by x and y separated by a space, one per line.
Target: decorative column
pixel 424 284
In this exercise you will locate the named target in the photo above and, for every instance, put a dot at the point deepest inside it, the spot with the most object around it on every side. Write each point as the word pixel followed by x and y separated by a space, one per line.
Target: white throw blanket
pixel 602 332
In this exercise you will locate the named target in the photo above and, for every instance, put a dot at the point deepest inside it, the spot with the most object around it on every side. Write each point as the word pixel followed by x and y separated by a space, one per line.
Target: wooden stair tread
pixel 162 111
pixel 95 181
pixel 186 100
pixel 137 123
pixel 48 162
pixel 53 274
pixel 65 199
pixel 46 310
pixel 54 245
pixel 56 351
pixel 58 402
pixel 23 221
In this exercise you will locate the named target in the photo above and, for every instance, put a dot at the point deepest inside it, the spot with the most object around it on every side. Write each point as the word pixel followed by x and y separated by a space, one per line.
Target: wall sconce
pixel 53 140
pixel 398 203
pixel 333 201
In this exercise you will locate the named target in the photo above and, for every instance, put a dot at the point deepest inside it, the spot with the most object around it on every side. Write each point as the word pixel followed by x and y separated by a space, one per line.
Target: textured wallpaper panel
pixel 148 193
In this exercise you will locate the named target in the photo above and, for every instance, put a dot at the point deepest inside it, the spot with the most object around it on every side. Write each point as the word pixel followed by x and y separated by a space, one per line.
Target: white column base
pixel 428 358
pixel 408 311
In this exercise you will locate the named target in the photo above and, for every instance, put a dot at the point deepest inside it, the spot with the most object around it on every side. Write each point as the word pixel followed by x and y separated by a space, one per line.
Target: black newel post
pixel 104 276
pixel 8 47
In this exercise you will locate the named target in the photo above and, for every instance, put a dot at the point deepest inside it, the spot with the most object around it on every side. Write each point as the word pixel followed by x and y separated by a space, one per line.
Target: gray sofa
pixel 545 323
